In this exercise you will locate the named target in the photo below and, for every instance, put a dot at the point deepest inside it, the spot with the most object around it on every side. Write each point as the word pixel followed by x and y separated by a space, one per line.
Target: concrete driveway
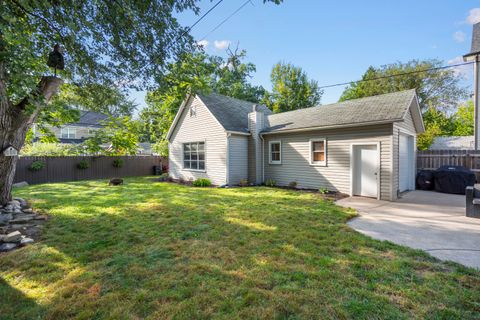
pixel 434 222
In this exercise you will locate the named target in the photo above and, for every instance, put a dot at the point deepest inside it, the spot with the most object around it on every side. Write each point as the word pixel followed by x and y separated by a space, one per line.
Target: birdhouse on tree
pixel 10 152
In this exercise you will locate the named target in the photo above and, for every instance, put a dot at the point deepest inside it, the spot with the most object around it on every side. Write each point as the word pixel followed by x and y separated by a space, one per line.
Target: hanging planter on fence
pixel 84 164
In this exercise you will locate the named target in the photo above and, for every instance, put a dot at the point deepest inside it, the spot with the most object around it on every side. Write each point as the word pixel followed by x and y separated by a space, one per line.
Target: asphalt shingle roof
pixel 90 119
pixel 230 112
pixel 382 108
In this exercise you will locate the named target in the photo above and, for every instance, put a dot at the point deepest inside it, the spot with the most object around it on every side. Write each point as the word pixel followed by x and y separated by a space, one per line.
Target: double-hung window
pixel 68 133
pixel 318 152
pixel 194 156
pixel 275 152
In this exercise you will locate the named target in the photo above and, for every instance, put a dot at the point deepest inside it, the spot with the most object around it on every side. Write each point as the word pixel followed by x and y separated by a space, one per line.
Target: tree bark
pixel 15 120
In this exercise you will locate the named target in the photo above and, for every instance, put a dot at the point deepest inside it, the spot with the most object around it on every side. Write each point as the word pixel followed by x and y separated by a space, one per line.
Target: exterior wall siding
pixel 335 175
pixel 202 127
pixel 81 133
pixel 407 126
pixel 237 158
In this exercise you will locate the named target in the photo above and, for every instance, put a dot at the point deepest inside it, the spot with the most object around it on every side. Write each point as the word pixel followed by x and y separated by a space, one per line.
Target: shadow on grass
pixel 15 305
pixel 162 250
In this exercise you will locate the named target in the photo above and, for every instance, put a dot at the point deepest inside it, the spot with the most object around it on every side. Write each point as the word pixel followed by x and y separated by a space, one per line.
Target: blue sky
pixel 336 41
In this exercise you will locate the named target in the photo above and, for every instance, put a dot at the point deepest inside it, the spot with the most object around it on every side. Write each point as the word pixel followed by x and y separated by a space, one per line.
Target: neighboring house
pixel 78 132
pixel 453 143
pixel 360 147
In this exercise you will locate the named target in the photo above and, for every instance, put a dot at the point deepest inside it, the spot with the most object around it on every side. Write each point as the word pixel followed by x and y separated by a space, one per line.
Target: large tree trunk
pixel 15 120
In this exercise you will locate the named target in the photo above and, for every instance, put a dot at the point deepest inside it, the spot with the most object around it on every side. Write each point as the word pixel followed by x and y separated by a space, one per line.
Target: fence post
pixel 468 161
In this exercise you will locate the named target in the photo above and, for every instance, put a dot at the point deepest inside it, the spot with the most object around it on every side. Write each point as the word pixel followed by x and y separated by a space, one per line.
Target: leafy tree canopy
pixel 439 89
pixel 291 89
pixel 195 73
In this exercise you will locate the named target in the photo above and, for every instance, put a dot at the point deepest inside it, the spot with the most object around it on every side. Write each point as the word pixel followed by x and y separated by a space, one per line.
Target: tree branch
pixel 51 26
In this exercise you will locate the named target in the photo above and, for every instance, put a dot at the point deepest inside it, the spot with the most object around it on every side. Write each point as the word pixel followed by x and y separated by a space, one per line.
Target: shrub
pixel 243 183
pixel 118 163
pixel 181 180
pixel 202 182
pixel 293 184
pixel 83 165
pixel 323 190
pixel 270 183
pixel 164 177
pixel 36 165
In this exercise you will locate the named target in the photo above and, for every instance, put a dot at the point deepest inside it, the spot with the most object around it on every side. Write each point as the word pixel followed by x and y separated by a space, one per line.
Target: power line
pixel 397 75
pixel 201 18
pixel 226 19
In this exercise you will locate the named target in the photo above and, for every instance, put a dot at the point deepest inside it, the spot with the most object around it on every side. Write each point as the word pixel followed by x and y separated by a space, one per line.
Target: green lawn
pixel 159 250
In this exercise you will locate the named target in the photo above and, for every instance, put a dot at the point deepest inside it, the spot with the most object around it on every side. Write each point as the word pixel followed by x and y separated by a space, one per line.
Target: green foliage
pixel 293 184
pixel 50 149
pixel 291 89
pixel 463 120
pixel 440 123
pixel 36 165
pixel 439 89
pixel 118 163
pixel 119 137
pixel 243 183
pixel 202 182
pixel 195 73
pixel 323 190
pixel 164 177
pixel 270 183
pixel 83 164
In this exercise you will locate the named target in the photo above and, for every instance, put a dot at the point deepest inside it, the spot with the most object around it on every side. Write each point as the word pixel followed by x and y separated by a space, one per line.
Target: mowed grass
pixel 150 250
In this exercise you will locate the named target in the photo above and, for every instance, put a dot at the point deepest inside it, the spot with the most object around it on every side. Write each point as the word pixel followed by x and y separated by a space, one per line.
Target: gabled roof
pixel 385 108
pixel 90 119
pixel 231 113
pixel 475 49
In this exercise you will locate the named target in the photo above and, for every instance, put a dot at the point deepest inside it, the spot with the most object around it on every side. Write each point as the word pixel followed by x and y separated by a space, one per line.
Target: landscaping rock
pixel 115 182
pixel 5 218
pixel 20 184
pixel 4 247
pixel 15 236
pixel 41 217
pixel 22 220
pixel 26 241
pixel 28 210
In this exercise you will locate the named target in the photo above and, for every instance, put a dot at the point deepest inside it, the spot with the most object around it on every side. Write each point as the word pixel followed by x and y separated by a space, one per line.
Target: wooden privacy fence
pixel 63 169
pixel 433 159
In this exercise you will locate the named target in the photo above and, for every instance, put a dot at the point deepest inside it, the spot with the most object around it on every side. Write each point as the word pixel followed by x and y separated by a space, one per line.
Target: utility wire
pixel 201 18
pixel 397 75
pixel 226 19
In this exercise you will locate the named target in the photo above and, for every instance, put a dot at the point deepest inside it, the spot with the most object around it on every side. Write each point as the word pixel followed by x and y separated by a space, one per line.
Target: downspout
pixel 227 169
pixel 263 158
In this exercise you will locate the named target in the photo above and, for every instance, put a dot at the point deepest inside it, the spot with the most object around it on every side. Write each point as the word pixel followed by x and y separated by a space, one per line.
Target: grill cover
pixel 425 180
pixel 453 179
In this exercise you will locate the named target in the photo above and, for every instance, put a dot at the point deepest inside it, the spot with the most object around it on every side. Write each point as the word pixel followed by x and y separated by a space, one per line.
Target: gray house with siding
pixel 362 147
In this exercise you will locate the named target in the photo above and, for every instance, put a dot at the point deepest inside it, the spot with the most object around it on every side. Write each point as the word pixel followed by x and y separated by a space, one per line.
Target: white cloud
pixel 462 71
pixel 203 43
pixel 474 16
pixel 221 44
pixel 459 36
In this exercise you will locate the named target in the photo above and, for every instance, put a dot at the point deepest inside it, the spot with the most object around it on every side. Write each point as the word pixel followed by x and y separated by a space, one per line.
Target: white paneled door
pixel 365 170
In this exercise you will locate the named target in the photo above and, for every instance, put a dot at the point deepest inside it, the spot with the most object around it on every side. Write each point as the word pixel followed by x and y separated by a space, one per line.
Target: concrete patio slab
pixel 434 222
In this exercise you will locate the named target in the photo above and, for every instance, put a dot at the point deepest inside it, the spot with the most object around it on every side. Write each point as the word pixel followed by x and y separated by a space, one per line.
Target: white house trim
pixel 270 161
pixel 325 150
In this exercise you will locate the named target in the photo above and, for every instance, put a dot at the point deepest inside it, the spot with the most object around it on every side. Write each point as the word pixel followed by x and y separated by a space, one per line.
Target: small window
pixel 194 156
pixel 318 152
pixel 193 111
pixel 68 133
pixel 275 152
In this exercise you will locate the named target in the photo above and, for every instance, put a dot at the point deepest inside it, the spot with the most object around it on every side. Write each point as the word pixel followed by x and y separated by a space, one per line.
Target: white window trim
pixel 270 161
pixel 204 151
pixel 310 147
pixel 69 131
